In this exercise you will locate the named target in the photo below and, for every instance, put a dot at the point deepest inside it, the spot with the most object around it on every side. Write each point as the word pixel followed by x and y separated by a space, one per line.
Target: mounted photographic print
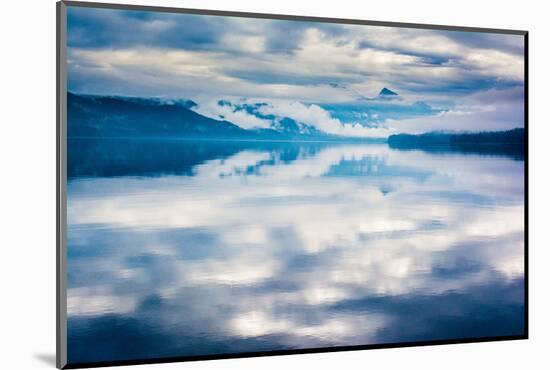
pixel 239 184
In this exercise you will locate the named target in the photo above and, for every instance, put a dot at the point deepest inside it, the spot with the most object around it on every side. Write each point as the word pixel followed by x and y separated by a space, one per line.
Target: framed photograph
pixel 238 184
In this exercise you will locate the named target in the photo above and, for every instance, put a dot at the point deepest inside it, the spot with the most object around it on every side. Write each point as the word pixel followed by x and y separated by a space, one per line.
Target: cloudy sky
pixel 324 75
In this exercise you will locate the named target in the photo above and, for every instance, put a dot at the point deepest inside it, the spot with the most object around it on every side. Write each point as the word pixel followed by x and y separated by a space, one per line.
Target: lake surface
pixel 179 248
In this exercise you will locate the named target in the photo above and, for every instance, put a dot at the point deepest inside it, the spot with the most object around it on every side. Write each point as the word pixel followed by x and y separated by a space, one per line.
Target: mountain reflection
pixel 180 248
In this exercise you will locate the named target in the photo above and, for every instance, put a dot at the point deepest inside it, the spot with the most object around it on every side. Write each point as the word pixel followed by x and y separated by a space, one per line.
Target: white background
pixel 27 158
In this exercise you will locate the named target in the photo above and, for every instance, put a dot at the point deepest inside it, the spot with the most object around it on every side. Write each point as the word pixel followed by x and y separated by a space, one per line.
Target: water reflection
pixel 239 247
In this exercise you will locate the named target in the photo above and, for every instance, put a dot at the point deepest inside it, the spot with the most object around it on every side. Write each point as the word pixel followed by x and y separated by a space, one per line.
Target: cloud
pixel 209 57
pixel 319 118
pixel 511 44
pixel 182 74
pixel 491 110
pixel 268 113
pixel 443 48
pixel 255 41
pixel 112 29
pixel 213 109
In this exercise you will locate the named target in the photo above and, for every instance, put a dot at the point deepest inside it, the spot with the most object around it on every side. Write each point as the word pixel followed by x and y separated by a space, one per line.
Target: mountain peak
pixel 387 92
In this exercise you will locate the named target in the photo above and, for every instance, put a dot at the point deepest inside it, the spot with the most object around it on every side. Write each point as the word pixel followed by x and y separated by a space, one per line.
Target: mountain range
pixel 112 116
pixel 105 116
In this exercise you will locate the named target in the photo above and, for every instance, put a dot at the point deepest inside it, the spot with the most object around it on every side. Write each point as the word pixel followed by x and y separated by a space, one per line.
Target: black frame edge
pixel 526 186
pixel 61 261
pixel 290 352
pixel 226 13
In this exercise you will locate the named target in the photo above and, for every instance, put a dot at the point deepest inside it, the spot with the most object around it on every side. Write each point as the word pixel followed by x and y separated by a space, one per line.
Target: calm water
pixel 178 248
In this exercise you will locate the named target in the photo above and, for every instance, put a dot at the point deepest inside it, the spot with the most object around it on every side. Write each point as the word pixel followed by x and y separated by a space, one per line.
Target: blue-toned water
pixel 179 248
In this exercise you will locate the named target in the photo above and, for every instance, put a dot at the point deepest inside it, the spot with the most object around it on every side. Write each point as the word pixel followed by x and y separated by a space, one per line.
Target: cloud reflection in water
pixel 338 245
